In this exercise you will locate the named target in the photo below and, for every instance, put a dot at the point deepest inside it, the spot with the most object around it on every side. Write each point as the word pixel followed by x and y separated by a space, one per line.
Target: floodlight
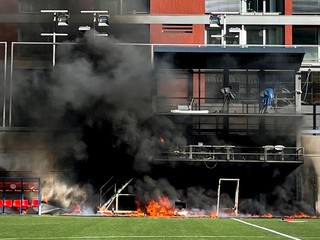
pixel 214 20
pixel 103 20
pixel 63 19
pixel 84 28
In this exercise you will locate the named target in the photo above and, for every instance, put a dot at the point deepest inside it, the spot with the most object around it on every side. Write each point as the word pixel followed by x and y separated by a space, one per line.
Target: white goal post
pixel 236 200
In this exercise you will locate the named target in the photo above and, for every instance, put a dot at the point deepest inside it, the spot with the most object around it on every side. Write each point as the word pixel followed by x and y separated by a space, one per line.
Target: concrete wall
pixel 311 169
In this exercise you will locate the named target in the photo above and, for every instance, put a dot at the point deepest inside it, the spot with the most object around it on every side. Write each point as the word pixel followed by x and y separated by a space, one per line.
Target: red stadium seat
pixel 16 203
pixel 7 203
pixel 35 203
pixel 25 203
pixel 1 203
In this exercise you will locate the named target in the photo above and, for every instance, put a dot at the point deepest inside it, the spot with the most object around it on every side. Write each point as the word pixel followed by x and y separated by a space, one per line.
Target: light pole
pixel 217 21
pixel 54 35
pixel 60 18
pixel 4 82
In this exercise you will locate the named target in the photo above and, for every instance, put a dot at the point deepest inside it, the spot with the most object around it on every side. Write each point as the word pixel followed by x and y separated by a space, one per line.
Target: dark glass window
pixel 213 35
pixel 305 7
pixel 269 5
pixel 274 35
pixel 251 5
pixel 254 35
pixel 305 35
pixel 222 6
pixel 125 6
pixel 310 86
pixel 34 6
pixel 30 6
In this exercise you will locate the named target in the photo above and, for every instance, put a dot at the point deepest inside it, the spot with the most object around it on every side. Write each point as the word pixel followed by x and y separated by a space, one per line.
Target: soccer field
pixel 14 227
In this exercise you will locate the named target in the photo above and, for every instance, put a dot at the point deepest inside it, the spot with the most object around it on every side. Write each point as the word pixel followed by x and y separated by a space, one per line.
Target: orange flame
pixel 213 215
pixel 267 215
pixel 301 215
pixel 162 208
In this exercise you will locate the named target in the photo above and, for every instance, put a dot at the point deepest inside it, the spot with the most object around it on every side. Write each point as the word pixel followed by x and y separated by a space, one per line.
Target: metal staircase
pixel 105 208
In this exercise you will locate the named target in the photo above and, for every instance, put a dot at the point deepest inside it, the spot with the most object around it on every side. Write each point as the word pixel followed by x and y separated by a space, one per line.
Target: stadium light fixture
pixel 103 20
pixel 60 17
pixel 214 20
pixel 100 19
pixel 63 19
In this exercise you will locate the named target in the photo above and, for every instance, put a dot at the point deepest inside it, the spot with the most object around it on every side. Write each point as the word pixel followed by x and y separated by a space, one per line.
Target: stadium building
pixel 208 102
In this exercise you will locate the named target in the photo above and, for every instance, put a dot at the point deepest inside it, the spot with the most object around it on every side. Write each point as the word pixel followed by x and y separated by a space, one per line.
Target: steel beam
pixel 204 19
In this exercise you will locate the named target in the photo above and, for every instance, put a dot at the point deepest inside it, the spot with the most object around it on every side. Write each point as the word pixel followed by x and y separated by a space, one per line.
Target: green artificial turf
pixel 82 227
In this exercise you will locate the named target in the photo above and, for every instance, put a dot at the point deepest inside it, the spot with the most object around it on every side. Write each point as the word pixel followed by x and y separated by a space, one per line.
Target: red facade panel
pixel 288 28
pixel 177 6
pixel 175 87
pixel 157 35
pixel 195 36
pixel 288 35
pixel 288 7
pixel 8 6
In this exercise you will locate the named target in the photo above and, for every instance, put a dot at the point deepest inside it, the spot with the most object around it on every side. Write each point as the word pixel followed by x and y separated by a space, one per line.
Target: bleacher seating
pixel 21 205
pixel 17 203
pixel 17 194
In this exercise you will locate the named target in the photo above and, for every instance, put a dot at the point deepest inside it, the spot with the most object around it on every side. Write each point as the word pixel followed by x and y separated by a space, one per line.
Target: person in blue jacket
pixel 267 99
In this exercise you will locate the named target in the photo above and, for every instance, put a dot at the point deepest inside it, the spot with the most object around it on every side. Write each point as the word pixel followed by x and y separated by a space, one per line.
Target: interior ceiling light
pixel 234 30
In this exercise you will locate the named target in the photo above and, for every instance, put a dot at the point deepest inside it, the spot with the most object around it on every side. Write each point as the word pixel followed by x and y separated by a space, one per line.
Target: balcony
pixel 283 104
pixel 233 154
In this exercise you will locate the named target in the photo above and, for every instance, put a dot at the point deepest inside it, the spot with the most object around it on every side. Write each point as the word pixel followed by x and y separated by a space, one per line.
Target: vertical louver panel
pixel 181 28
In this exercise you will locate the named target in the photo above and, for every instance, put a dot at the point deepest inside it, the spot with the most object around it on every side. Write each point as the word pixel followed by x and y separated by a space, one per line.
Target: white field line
pixel 132 237
pixel 267 229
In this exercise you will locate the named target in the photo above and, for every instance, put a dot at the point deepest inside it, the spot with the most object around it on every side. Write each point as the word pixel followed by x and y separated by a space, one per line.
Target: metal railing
pixel 231 153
